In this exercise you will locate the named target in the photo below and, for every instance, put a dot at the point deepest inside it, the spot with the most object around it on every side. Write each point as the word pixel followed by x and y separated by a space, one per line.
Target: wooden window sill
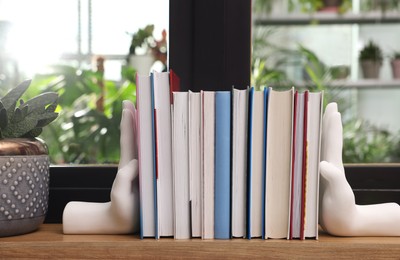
pixel 50 242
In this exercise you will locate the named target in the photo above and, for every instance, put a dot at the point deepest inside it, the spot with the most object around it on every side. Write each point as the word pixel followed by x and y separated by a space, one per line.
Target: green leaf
pixel 17 117
pixel 10 99
pixel 40 102
pixel 52 107
pixel 21 128
pixel 34 132
pixel 46 119
pixel 3 118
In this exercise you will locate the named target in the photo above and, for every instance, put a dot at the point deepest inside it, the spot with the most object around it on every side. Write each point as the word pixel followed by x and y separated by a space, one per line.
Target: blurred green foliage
pixel 363 142
pixel 85 132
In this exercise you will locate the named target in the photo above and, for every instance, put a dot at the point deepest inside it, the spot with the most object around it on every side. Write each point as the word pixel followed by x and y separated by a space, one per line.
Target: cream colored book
pixel 208 152
pixel 313 159
pixel 278 163
pixel 180 158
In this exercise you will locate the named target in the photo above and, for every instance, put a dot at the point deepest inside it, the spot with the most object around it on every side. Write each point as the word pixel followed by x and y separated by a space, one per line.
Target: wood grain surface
pixel 49 242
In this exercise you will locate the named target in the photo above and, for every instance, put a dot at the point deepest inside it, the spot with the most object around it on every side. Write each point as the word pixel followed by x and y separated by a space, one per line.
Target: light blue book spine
pixel 222 208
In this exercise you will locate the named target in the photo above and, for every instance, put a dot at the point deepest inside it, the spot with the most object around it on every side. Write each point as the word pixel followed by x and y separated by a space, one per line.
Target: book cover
pixel 147 187
pixel 180 155
pixel 256 161
pixel 175 84
pixel 278 163
pixel 195 165
pixel 239 161
pixel 208 161
pixel 298 166
pixel 222 209
pixel 163 150
pixel 304 167
pixel 264 172
pixel 313 159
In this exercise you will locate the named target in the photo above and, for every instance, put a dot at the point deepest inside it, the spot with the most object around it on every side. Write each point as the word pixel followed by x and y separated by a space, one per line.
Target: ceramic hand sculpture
pixel 339 214
pixel 121 214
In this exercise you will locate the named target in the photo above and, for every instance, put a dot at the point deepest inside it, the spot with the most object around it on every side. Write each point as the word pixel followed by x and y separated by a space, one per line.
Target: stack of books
pixel 226 164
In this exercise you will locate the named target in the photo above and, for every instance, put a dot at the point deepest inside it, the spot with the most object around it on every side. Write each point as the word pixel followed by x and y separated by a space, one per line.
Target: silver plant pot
pixel 24 185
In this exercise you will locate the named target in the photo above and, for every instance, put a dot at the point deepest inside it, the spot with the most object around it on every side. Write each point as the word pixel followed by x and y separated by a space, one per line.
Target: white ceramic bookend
pixel 121 214
pixel 339 214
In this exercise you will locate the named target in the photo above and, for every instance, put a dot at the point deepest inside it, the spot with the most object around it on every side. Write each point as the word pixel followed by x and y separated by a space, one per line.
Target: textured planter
pixel 395 68
pixel 24 185
pixel 371 68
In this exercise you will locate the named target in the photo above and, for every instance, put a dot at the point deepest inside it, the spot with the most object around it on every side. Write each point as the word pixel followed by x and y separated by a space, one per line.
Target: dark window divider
pixel 371 184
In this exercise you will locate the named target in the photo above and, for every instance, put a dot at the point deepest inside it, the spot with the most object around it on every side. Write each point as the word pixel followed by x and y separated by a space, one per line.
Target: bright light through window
pixel 40 31
pixel 43 31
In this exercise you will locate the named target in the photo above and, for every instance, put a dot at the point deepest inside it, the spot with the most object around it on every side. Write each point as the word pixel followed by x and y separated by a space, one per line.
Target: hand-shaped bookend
pixel 121 214
pixel 339 214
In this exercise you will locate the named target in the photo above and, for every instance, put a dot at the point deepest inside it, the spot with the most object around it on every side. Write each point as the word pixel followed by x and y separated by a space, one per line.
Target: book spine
pixel 249 159
pixel 153 127
pixel 264 169
pixel 222 164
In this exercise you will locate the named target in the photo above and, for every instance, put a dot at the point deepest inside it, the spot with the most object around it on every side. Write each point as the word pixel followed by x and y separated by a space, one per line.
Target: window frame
pixel 190 53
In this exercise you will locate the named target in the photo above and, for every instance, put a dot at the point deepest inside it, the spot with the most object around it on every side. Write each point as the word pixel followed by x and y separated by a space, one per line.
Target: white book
pixel 313 159
pixel 297 166
pixel 195 165
pixel 145 156
pixel 162 117
pixel 256 163
pixel 278 161
pixel 208 146
pixel 239 161
pixel 180 156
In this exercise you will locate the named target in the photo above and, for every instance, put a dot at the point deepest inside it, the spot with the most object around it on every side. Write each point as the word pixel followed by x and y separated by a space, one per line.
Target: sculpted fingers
pixel 332 136
pixel 125 180
pixel 128 134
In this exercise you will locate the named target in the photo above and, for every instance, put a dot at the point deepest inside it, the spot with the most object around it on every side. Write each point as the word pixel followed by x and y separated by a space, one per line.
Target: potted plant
pixel 371 60
pixel 312 6
pixel 395 63
pixel 24 160
pixel 140 55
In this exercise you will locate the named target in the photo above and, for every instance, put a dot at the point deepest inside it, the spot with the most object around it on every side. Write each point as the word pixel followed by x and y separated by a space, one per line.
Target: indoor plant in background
pixel 24 160
pixel 371 60
pixel 395 63
pixel 140 56
pixel 312 6
pixel 83 134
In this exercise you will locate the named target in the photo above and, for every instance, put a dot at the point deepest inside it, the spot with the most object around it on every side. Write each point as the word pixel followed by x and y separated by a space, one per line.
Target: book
pixel 162 126
pixel 299 154
pixel 195 165
pixel 147 180
pixel 314 150
pixel 278 163
pixel 208 169
pixel 180 155
pixel 222 199
pixel 175 83
pixel 256 162
pixel 239 161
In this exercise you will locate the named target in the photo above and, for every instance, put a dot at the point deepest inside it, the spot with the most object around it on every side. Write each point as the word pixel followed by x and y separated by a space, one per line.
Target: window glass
pixel 317 45
pixel 81 49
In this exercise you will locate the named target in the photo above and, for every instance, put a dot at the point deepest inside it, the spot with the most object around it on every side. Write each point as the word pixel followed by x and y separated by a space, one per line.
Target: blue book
pixel 222 208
